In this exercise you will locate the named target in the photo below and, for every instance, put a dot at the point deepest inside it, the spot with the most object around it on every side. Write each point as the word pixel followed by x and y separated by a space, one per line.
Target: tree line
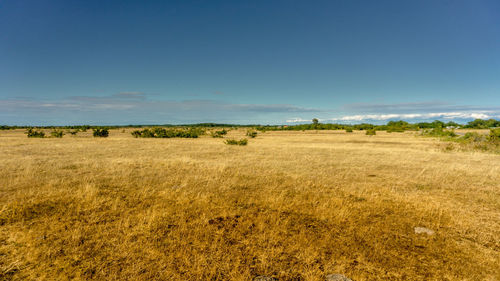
pixel 394 126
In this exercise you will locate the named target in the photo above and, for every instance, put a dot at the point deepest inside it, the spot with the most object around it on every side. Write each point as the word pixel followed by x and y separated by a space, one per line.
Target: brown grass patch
pixel 292 205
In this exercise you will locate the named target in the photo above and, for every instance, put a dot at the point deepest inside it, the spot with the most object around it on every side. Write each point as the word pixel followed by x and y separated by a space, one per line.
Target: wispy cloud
pixel 136 107
pixel 130 95
pixel 300 120
pixel 394 107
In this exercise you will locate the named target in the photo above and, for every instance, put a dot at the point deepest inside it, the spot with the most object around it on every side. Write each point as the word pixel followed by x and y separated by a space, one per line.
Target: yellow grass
pixel 291 205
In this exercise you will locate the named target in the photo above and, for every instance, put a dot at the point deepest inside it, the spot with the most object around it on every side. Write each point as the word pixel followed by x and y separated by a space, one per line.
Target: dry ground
pixel 292 205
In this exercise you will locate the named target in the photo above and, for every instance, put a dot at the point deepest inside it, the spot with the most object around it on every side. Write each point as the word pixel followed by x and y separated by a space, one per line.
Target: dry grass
pixel 292 205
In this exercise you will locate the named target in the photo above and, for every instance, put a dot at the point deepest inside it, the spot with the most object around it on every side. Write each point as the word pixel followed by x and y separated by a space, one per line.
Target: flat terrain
pixel 291 205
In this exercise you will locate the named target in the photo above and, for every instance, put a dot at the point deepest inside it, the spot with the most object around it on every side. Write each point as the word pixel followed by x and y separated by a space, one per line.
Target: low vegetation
pixel 469 141
pixel 168 133
pixel 439 132
pixel 236 142
pixel 371 132
pixel 100 132
pixel 219 134
pixel 391 126
pixel 32 133
pixel 251 133
pixel 57 133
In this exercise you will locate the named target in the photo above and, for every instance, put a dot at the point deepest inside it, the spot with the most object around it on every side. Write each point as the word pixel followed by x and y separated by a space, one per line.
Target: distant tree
pixel 437 124
pixel 397 126
pixel 452 124
pixel 483 124
pixel 315 121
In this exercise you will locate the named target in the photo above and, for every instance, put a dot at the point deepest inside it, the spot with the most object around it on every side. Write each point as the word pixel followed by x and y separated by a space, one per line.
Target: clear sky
pixel 267 62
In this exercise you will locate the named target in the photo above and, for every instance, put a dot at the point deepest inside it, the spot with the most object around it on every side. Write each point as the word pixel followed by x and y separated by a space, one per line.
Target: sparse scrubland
pixel 291 205
pixel 469 140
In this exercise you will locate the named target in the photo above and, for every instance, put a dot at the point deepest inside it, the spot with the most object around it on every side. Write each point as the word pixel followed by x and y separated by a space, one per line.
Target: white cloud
pixel 298 120
pixel 444 115
pixel 406 116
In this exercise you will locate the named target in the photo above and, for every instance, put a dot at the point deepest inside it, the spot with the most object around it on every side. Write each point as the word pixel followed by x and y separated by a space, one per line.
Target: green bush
pixel 471 140
pixel 439 132
pixel 57 134
pixel 100 133
pixel 348 130
pixel 494 135
pixel 397 126
pixel 472 137
pixel 251 134
pixel 371 132
pixel 34 134
pixel 168 133
pixel 483 124
pixel 219 134
pixel 395 130
pixel 136 134
pixel 236 142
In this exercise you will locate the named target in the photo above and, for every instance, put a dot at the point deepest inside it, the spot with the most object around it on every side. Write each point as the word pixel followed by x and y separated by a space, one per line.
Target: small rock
pixel 263 278
pixel 419 230
pixel 336 277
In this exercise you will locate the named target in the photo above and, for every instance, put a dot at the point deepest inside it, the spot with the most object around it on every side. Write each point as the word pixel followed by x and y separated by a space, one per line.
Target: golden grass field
pixel 289 205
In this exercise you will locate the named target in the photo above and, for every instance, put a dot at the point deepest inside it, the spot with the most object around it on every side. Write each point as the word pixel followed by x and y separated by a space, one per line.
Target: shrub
pixel 146 133
pixel 236 142
pixel 73 132
pixel 231 142
pixel 219 134
pixel 439 132
pixel 168 133
pixel 348 130
pixel 371 132
pixel 35 134
pixel 471 140
pixel 57 134
pixel 472 137
pixel 216 135
pixel 136 133
pixel 251 134
pixel 395 129
pixel 494 135
pixel 101 133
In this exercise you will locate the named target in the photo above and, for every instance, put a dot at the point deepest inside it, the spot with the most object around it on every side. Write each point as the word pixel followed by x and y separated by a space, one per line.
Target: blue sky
pixel 267 62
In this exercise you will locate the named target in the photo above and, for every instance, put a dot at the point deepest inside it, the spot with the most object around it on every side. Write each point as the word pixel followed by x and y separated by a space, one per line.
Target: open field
pixel 291 205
